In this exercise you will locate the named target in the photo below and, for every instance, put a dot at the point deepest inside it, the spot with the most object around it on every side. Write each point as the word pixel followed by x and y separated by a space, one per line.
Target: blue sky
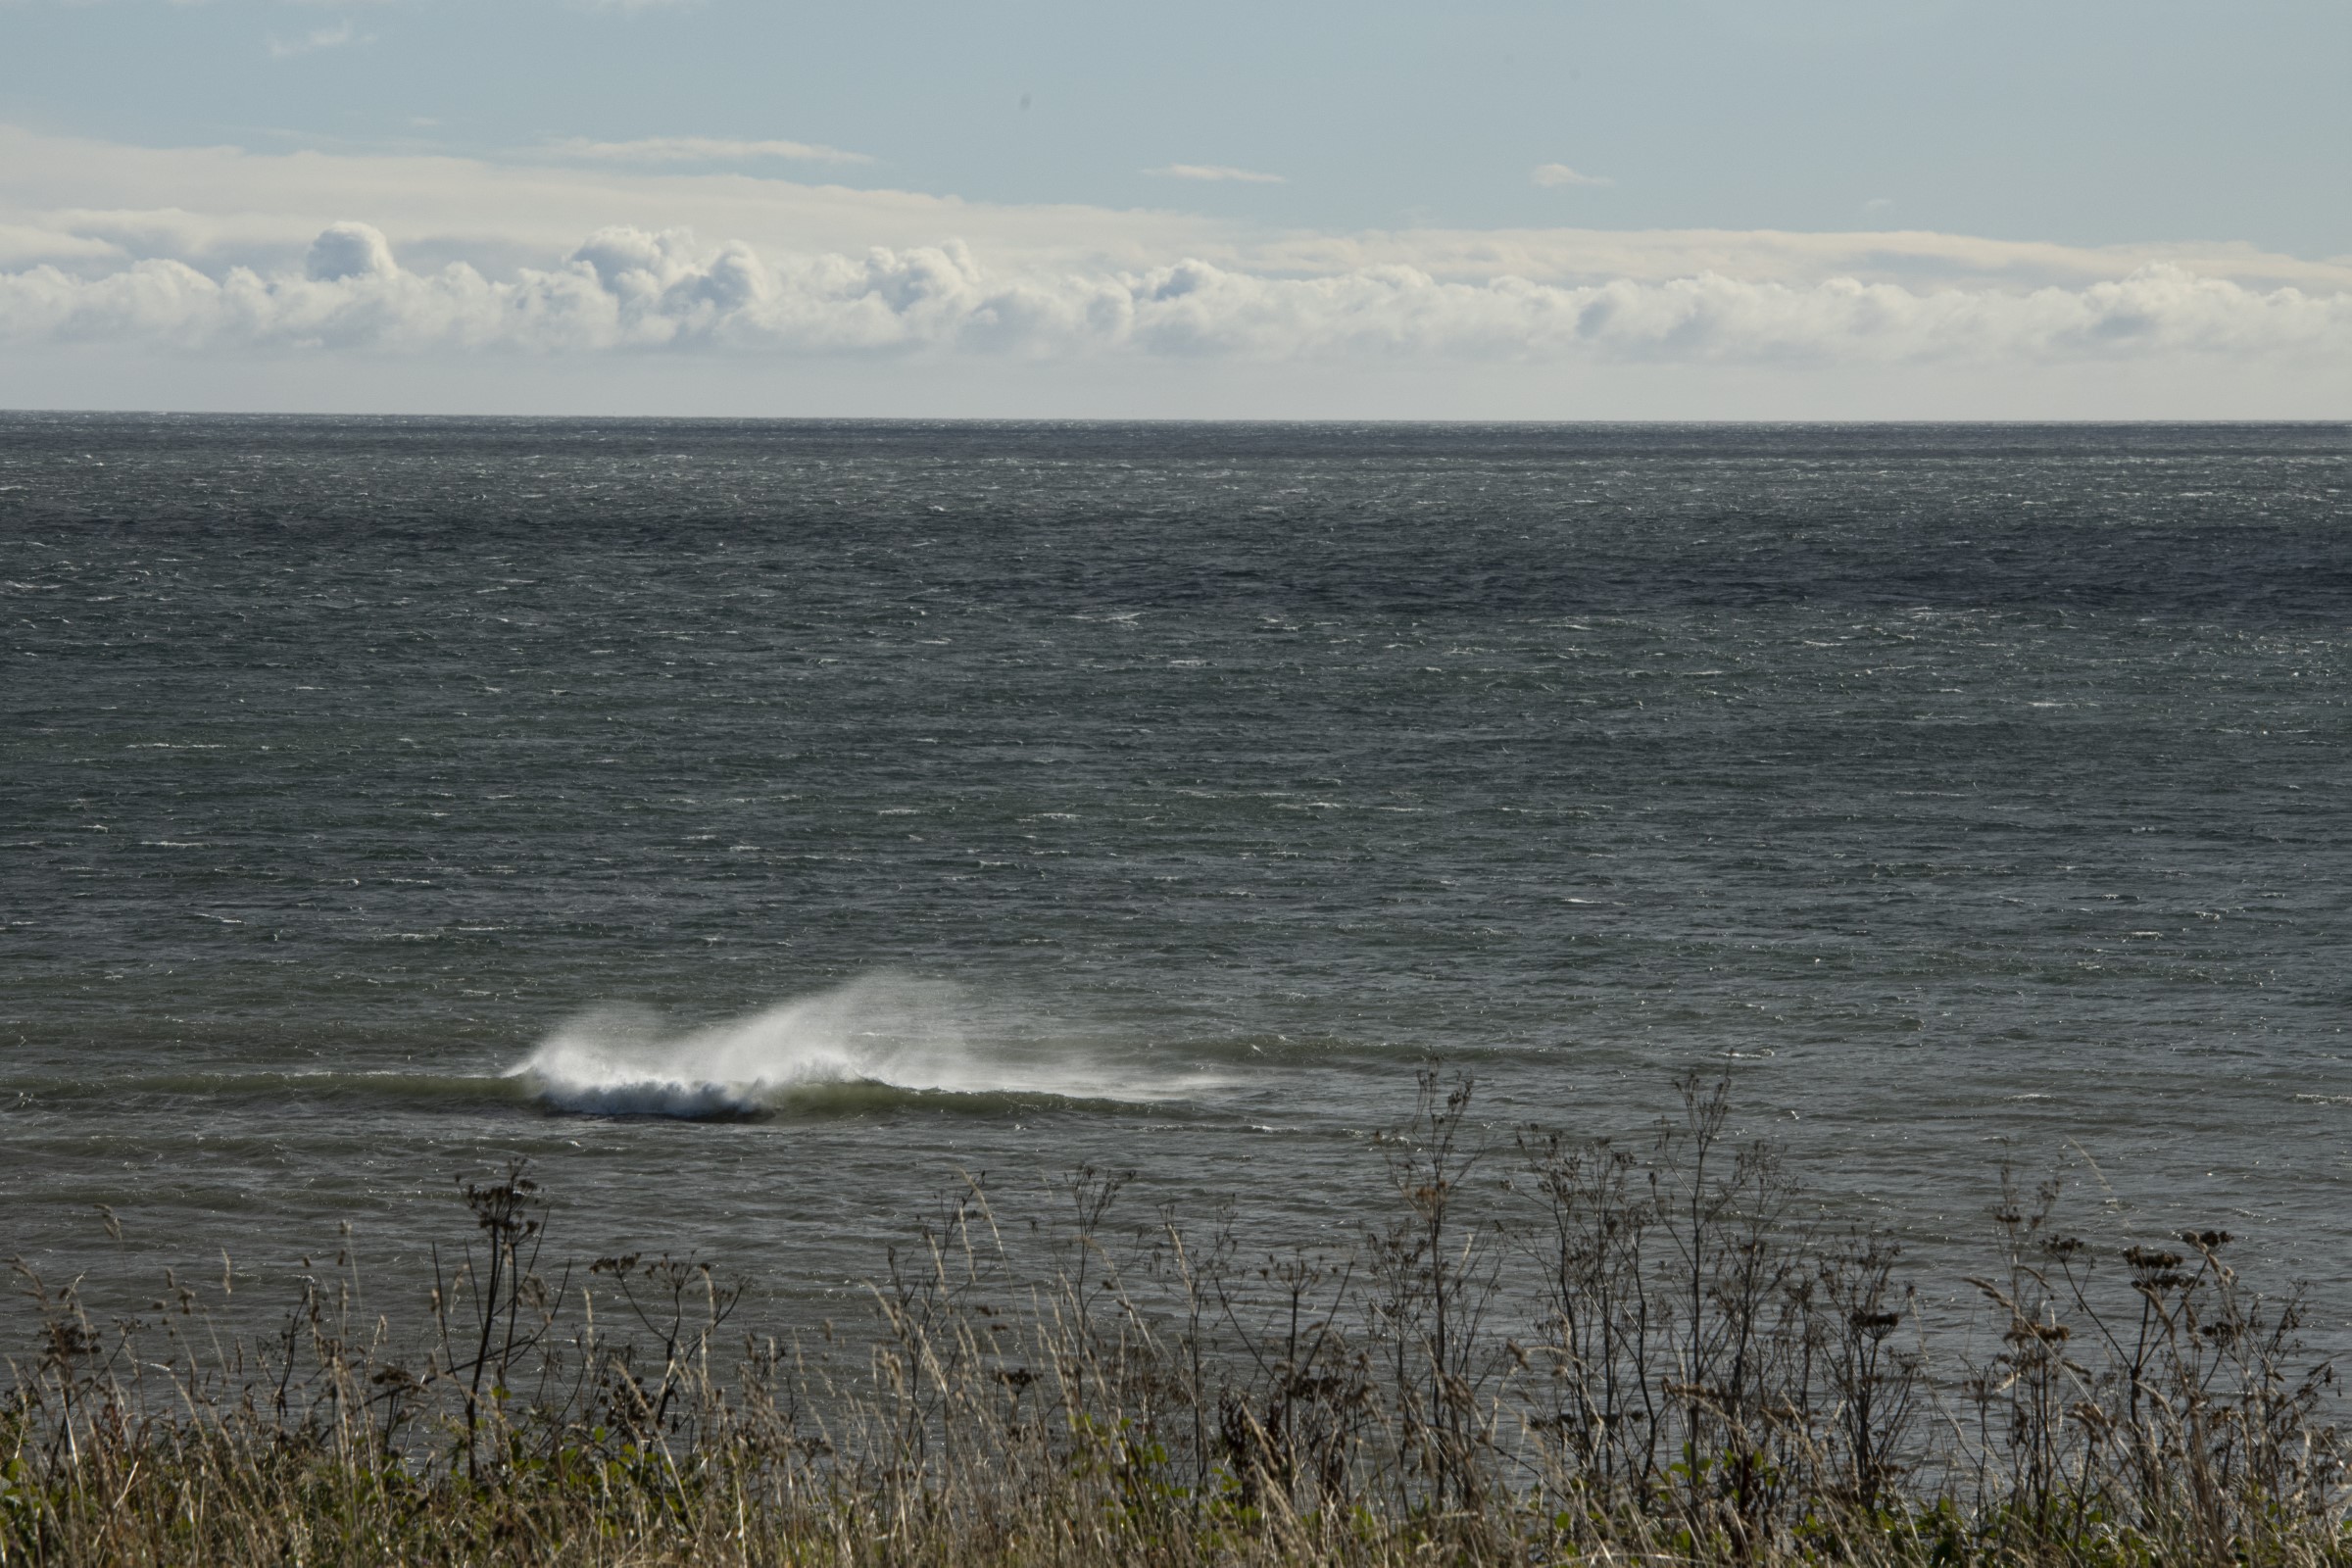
pixel 1064 158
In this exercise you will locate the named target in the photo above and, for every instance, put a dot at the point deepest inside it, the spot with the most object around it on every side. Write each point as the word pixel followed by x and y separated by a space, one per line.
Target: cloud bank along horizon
pixel 625 288
pixel 181 253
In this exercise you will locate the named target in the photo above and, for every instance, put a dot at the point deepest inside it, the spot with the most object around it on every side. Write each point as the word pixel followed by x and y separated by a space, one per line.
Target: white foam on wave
pixel 880 1030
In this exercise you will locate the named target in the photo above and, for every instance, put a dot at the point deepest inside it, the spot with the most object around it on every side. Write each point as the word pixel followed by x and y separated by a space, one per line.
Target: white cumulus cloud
pixel 631 289
pixel 345 251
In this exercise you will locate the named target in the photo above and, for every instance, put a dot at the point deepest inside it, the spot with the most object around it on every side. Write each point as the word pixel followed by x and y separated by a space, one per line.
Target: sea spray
pixel 882 1031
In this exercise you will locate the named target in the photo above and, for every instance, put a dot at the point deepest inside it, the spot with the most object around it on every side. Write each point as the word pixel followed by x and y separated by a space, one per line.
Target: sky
pixel 1618 209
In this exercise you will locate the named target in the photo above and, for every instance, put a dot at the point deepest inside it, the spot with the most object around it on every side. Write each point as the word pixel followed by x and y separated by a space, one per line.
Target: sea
pixel 766 829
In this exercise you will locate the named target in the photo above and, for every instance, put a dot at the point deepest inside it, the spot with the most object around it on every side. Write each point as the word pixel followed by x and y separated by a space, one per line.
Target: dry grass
pixel 1553 1351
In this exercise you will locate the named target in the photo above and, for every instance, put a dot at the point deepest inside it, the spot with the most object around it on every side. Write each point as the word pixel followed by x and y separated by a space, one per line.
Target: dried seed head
pixel 2021 1331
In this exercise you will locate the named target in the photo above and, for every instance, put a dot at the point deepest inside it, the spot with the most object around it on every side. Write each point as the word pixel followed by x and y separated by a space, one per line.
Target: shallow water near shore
pixel 759 825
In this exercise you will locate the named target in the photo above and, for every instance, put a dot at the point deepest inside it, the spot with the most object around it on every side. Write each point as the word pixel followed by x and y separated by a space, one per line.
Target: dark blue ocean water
pixel 1010 798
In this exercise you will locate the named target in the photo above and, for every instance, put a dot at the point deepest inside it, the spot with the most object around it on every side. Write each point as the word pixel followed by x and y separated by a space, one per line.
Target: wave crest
pixel 885 1033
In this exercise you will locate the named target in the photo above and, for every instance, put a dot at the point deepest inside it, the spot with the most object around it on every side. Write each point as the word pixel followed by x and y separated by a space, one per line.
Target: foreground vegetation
pixel 1552 1350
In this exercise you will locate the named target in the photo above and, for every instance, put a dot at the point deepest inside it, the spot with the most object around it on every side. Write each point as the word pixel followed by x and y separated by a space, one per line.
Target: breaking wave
pixel 881 1040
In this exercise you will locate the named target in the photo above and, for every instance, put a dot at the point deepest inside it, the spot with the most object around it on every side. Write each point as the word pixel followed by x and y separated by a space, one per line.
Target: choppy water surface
pixel 756 824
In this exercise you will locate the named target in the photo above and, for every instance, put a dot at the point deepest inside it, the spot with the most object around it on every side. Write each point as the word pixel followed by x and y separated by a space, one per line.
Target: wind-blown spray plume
pixel 881 1032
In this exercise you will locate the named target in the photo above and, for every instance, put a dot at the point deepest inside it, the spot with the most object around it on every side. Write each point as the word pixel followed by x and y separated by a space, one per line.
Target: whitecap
pixel 882 1032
